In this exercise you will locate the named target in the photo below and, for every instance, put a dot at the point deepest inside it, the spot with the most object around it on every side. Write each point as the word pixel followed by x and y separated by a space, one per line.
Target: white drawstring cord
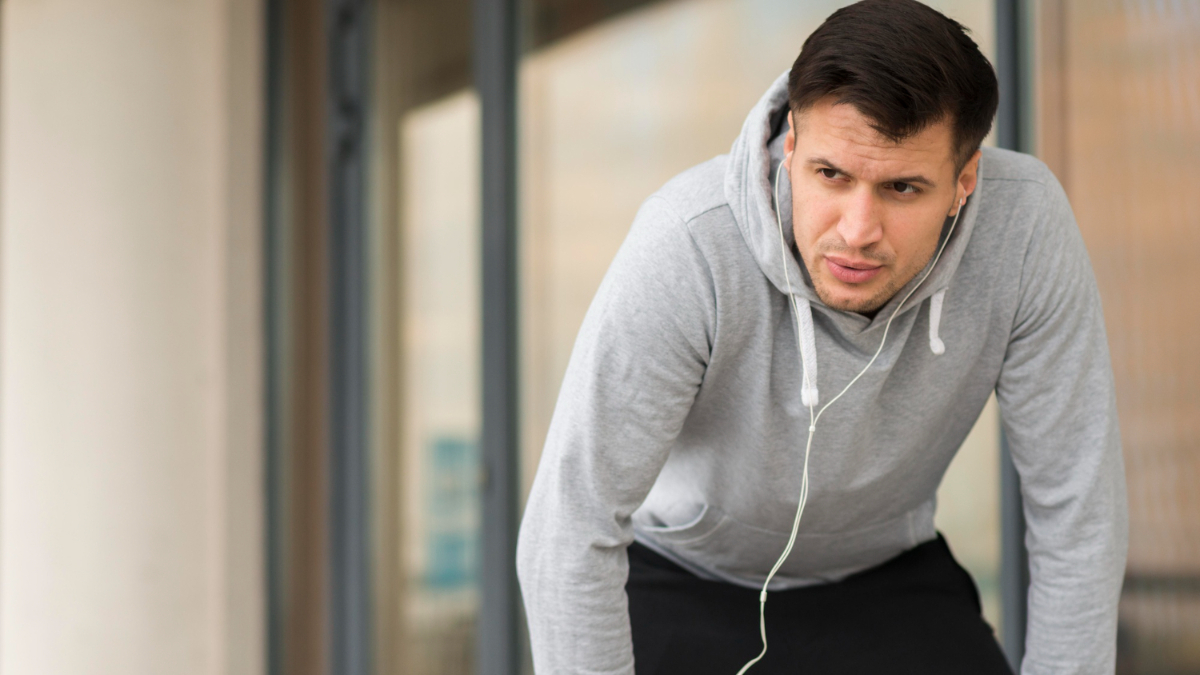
pixel 809 395
pixel 812 425
pixel 935 319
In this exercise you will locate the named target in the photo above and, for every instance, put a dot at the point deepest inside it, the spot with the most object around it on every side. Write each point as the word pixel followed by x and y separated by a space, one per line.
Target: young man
pixel 791 344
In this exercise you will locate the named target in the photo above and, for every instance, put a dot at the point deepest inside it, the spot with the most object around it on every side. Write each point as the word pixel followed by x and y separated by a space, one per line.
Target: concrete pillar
pixel 131 499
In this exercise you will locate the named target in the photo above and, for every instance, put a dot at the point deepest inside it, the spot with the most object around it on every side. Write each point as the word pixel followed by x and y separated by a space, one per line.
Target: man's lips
pixel 851 271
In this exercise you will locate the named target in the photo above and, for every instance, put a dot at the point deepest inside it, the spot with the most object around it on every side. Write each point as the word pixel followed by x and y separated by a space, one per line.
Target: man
pixel 785 355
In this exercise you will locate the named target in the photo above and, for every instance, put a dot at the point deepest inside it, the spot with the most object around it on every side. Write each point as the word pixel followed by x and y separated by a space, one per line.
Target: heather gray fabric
pixel 680 424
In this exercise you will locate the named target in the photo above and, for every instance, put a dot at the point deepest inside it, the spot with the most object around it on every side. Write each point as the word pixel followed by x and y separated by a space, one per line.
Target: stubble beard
pixel 870 305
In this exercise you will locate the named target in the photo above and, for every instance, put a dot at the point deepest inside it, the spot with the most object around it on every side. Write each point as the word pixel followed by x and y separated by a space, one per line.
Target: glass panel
pixel 425 340
pixel 439 464
pixel 1119 123
pixel 610 114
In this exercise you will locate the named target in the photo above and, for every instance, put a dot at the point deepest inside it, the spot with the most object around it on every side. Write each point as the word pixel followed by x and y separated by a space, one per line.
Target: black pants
pixel 917 613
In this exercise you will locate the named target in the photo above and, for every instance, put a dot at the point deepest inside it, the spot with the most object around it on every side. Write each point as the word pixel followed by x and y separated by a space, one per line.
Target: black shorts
pixel 916 613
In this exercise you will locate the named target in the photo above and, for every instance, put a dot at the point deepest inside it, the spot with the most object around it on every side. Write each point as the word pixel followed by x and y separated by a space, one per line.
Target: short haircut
pixel 903 65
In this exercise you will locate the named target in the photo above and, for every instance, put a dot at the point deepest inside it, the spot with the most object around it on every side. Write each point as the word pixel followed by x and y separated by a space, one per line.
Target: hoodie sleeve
pixel 632 378
pixel 1058 408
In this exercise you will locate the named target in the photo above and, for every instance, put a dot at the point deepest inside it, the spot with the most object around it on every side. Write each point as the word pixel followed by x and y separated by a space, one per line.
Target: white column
pixel 131 501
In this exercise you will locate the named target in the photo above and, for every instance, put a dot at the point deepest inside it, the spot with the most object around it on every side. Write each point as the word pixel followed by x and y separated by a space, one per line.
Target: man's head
pixel 889 101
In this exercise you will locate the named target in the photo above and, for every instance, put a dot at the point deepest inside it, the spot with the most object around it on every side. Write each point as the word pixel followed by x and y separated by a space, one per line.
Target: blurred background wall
pixel 1118 120
pixel 131 370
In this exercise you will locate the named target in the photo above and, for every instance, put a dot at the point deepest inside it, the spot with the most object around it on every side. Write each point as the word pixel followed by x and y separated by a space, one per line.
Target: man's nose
pixel 861 224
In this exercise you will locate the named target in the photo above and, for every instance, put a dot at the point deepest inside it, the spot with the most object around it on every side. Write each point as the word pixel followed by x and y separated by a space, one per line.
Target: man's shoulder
pixel 696 191
pixel 998 164
pixel 691 212
pixel 1025 221
pixel 1019 196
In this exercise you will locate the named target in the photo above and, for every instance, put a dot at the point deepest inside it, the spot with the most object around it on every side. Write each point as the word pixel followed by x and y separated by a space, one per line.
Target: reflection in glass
pixel 607 116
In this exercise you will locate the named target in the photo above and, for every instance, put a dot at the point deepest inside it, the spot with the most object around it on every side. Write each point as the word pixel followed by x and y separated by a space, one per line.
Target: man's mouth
pixel 850 271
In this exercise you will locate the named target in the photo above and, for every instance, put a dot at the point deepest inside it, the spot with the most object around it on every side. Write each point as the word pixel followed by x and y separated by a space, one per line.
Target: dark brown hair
pixel 903 65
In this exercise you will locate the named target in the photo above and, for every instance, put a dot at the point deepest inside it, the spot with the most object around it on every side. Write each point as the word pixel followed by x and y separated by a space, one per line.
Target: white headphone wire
pixel 812 424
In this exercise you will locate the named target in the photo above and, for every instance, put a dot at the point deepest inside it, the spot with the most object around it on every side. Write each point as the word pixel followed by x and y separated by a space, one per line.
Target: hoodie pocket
pixel 707 521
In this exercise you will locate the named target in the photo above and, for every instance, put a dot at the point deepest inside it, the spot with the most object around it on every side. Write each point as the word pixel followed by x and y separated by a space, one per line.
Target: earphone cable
pixel 812 425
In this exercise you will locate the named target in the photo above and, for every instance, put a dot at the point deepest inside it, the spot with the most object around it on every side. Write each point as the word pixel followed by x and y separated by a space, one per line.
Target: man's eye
pixel 829 173
pixel 905 188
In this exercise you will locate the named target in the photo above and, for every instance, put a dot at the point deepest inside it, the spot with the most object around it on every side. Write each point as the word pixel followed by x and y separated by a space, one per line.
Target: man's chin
pixel 850 298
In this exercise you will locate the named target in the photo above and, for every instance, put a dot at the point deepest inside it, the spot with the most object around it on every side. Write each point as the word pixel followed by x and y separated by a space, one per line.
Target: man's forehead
pixel 840 133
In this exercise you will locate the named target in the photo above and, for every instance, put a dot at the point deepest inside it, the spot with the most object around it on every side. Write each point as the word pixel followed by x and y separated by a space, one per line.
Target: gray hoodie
pixel 681 424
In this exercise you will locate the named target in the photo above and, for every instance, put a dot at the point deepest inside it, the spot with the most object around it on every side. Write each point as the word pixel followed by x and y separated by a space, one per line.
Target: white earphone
pixel 813 417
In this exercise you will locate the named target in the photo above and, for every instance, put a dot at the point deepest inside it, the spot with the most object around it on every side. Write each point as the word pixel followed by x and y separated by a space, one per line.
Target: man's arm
pixel 633 375
pixel 1059 412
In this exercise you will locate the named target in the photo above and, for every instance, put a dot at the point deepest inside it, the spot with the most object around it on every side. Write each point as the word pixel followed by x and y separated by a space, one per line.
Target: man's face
pixel 866 211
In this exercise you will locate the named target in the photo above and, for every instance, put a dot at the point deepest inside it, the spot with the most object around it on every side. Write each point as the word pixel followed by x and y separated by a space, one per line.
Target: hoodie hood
pixel 749 179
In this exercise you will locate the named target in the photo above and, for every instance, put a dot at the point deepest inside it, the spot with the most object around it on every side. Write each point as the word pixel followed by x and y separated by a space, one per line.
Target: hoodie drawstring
pixel 935 319
pixel 808 352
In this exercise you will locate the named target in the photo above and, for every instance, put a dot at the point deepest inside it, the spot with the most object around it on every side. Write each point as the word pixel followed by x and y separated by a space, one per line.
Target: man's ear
pixel 789 142
pixel 968 178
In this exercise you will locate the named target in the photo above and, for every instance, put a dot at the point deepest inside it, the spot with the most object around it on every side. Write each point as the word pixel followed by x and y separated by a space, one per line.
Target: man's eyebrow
pixel 915 180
